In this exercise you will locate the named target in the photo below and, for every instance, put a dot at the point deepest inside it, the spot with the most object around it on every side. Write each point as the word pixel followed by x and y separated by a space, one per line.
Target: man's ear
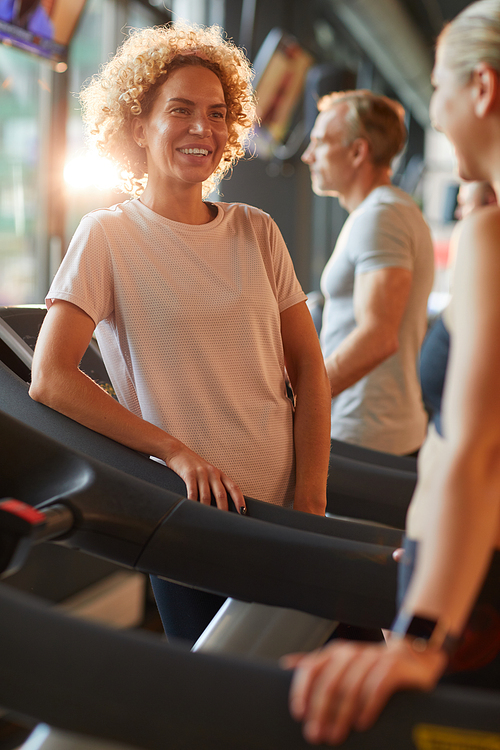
pixel 485 89
pixel 360 151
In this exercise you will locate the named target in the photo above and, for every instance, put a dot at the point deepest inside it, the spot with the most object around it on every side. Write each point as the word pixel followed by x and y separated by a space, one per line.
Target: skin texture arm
pixel 345 686
pixel 466 526
pixel 380 299
pixel 58 382
pixel 305 367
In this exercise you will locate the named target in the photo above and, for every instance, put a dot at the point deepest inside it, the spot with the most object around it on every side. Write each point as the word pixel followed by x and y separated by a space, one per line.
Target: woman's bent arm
pixel 58 382
pixel 466 526
pixel 306 369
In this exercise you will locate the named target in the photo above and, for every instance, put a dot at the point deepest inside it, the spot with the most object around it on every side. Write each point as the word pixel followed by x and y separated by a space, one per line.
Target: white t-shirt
pixel 189 328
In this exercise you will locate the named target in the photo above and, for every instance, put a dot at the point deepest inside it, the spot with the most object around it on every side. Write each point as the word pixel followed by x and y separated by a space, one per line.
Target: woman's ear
pixel 485 89
pixel 138 133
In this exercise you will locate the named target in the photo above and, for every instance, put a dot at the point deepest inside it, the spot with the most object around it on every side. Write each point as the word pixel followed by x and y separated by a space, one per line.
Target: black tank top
pixel 433 362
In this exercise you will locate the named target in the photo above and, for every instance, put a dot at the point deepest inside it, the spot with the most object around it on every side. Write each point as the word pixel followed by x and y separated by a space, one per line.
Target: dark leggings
pixel 477 660
pixel 184 612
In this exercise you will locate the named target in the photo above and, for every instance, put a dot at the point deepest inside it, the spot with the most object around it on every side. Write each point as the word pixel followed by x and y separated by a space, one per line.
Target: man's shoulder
pixel 389 229
pixel 389 206
pixel 391 198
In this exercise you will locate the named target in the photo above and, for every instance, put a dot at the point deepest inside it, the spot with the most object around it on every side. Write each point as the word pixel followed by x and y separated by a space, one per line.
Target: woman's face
pixel 452 112
pixel 185 132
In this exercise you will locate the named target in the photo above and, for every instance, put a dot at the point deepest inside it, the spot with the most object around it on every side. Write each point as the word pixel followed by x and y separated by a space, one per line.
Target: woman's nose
pixel 433 112
pixel 200 125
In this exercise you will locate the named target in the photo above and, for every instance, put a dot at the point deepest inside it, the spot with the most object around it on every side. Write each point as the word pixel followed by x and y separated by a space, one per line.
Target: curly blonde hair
pixel 126 87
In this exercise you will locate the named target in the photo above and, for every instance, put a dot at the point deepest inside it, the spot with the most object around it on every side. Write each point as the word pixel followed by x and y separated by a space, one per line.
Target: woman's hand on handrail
pixel 345 685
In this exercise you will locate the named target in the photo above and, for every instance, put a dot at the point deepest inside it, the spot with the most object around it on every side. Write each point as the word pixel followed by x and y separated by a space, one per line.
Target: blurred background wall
pixel 301 49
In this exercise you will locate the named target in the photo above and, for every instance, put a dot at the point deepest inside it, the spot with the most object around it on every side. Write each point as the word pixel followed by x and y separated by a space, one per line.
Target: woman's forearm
pixel 77 396
pixel 312 439
pixel 306 369
pixel 460 538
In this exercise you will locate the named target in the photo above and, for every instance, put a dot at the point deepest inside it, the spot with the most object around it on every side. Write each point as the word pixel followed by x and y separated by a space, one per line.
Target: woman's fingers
pixel 327 690
pixel 376 692
pixel 398 553
pixel 334 726
pixel 235 493
pixel 203 480
pixel 191 484
pixel 219 484
pixel 334 691
pixel 290 661
pixel 216 487
pixel 207 480
pixel 403 669
pixel 305 680
pixel 346 685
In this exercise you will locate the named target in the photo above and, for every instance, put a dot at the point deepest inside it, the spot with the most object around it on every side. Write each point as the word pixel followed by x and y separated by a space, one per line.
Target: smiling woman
pixel 196 305
pixel 184 136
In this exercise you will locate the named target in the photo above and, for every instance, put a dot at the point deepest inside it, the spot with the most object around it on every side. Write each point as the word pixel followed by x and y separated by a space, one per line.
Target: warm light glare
pixel 90 171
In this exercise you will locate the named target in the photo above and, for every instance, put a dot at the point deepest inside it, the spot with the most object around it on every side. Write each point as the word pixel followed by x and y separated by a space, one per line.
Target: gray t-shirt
pixel 383 410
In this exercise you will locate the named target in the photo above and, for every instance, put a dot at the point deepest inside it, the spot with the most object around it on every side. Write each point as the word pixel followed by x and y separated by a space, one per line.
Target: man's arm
pixel 380 300
pixel 305 367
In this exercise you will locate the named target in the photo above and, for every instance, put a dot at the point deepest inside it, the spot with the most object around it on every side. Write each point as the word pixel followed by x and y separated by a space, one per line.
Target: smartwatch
pixel 424 633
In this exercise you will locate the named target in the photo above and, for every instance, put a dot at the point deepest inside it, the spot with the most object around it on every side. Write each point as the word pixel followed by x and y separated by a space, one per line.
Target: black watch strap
pixel 424 633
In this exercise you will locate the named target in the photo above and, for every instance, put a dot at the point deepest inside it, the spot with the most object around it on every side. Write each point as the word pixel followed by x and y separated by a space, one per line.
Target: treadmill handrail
pixel 16 343
pixel 134 688
pixel 139 525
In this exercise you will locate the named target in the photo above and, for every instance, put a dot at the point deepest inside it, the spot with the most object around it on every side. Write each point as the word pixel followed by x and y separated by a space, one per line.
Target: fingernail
pixel 243 511
pixel 311 731
pixel 361 725
pixel 337 736
pixel 297 709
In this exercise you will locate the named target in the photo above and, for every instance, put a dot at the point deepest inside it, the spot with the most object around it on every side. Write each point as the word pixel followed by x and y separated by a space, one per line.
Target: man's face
pixel 327 155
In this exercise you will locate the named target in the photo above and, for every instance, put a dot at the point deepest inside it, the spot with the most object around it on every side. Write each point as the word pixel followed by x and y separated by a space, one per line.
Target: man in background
pixel 378 279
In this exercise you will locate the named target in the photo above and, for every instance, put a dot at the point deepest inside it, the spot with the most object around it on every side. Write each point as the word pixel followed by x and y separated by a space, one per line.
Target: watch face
pixel 420 627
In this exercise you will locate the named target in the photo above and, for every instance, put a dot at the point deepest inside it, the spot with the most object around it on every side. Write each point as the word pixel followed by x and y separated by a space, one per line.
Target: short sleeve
pixel 380 238
pixel 85 276
pixel 287 287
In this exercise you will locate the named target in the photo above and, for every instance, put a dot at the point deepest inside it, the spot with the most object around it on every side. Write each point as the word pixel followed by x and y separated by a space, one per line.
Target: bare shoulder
pixel 475 318
pixel 478 251
pixel 481 230
pixel 472 398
